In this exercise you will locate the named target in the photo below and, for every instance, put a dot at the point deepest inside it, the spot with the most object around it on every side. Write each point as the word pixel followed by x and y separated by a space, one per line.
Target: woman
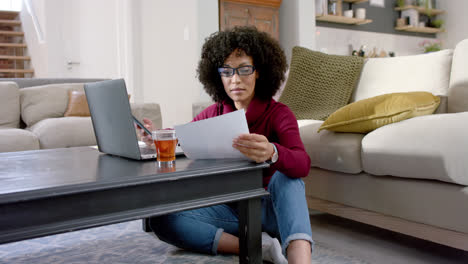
pixel 243 68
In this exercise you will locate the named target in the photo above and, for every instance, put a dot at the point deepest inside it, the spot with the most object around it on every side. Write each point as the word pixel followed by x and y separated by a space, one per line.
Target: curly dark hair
pixel 267 55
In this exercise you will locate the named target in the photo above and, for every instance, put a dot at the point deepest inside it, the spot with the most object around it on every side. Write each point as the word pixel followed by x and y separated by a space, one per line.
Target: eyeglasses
pixel 242 71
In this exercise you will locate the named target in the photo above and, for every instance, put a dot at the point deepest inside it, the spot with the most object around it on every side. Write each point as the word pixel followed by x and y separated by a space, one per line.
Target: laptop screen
pixel 112 118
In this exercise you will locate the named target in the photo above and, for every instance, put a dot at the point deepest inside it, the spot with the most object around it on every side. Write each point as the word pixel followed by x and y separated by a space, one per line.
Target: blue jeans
pixel 284 215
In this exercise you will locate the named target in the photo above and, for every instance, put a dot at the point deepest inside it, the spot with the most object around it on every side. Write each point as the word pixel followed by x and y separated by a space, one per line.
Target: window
pixel 10 5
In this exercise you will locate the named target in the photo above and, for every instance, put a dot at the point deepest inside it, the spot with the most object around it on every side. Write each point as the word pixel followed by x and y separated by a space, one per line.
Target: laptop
pixel 113 121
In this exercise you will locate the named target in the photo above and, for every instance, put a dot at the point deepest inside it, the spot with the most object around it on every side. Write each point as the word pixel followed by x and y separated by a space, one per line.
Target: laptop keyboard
pixel 147 151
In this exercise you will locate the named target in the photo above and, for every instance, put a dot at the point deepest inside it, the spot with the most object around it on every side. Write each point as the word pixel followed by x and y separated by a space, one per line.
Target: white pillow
pixel 46 101
pixel 426 72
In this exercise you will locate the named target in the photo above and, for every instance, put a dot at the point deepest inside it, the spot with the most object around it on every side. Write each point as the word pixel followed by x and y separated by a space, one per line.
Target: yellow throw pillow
pixel 366 115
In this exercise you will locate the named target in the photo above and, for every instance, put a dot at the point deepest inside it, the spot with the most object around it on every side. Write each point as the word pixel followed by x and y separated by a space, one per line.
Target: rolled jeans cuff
pixel 297 236
pixel 214 248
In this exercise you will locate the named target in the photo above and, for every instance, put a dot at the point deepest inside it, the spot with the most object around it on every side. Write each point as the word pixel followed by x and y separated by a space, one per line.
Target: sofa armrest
pixel 198 107
pixel 152 111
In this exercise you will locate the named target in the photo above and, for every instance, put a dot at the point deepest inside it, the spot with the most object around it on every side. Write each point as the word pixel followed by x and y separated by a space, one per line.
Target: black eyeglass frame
pixel 234 70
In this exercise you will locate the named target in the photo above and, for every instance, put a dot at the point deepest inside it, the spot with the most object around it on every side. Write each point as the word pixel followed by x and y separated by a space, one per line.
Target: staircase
pixel 13 63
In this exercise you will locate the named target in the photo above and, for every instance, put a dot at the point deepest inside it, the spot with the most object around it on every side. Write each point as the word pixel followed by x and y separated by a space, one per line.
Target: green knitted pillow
pixel 319 84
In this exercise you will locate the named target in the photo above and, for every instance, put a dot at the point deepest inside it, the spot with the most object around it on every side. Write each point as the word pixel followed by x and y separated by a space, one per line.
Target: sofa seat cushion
pixel 15 139
pixel 428 202
pixel 426 72
pixel 9 105
pixel 331 150
pixel 64 132
pixel 425 147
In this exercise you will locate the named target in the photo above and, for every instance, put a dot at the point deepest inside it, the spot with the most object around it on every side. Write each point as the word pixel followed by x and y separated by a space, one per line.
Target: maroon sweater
pixel 275 121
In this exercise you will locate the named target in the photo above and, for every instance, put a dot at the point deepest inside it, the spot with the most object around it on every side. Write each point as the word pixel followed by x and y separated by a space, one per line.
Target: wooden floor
pixel 370 244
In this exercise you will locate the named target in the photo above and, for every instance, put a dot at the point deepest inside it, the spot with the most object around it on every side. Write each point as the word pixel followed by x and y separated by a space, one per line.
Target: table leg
pixel 250 230
pixel 145 225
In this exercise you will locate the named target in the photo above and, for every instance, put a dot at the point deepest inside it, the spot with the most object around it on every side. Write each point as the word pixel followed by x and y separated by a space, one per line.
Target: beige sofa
pixel 411 176
pixel 32 115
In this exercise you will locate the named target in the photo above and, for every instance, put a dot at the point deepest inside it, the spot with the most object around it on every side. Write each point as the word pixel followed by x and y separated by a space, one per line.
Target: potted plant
pixel 430 46
pixel 437 23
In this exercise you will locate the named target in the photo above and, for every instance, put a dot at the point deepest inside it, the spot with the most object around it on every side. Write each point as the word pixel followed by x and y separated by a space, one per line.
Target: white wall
pixel 343 41
pixel 171 41
pixel 337 41
pixel 456 21
pixel 34 37
pixel 208 20
pixel 297 25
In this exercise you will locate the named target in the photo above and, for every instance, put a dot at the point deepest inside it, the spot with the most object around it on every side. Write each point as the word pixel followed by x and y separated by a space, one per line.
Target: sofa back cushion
pixel 9 105
pixel 458 89
pixel 47 101
pixel 426 72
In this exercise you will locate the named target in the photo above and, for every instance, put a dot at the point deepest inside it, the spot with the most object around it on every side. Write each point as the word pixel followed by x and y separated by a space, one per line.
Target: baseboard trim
pixel 427 232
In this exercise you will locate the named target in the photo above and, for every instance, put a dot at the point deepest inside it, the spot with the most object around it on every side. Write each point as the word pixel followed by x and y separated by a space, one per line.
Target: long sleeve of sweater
pixel 293 160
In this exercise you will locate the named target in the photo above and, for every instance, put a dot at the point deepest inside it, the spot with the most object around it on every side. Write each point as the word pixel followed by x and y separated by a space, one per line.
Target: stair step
pixel 6 57
pixel 12 45
pixel 8 14
pixel 10 22
pixel 11 33
pixel 16 71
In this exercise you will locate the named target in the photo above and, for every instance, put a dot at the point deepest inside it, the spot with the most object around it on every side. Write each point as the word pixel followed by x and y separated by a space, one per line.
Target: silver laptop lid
pixel 112 118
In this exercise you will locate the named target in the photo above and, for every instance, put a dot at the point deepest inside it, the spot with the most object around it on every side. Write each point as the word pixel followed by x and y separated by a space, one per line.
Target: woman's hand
pixel 254 146
pixel 148 139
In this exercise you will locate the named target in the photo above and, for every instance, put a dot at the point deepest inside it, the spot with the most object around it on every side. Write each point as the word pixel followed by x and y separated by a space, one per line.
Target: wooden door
pixel 263 14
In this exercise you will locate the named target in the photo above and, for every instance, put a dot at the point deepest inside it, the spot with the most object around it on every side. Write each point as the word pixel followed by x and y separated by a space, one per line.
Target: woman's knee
pixel 280 182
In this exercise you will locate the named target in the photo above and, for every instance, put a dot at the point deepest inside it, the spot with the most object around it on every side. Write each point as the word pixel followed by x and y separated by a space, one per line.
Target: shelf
pixel 422 10
pixel 355 1
pixel 342 20
pixel 419 29
pixel 16 71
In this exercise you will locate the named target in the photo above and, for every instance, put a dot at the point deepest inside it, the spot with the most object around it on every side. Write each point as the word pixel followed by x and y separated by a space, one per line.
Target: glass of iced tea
pixel 165 141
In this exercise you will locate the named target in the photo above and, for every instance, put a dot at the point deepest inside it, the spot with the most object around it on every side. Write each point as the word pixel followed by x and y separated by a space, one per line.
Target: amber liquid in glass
pixel 166 149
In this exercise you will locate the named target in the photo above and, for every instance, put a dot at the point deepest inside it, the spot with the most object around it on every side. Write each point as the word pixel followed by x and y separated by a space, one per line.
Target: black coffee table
pixel 53 191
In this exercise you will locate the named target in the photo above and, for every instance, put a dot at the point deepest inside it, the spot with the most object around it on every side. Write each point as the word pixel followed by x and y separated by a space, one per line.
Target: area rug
pixel 126 243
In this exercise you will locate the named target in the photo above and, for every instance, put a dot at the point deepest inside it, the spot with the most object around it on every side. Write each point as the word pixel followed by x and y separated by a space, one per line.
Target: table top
pixel 47 173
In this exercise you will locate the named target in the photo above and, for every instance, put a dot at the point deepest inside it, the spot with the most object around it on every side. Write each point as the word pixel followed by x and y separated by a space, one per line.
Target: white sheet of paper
pixel 212 138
